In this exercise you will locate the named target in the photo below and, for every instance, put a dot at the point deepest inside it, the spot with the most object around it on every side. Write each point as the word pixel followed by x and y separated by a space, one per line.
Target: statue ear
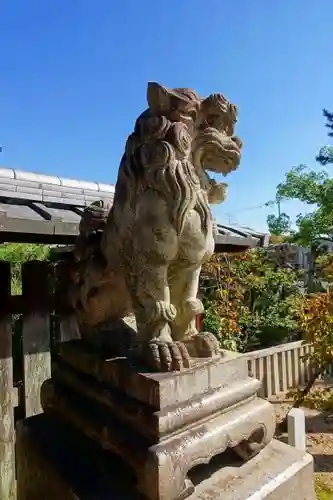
pixel 159 98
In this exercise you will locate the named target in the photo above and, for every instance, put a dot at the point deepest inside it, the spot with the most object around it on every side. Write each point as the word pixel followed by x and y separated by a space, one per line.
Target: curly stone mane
pixel 157 157
pixel 144 255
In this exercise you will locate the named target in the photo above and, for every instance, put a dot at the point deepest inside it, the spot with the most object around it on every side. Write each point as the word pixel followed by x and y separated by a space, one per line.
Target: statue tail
pixel 97 292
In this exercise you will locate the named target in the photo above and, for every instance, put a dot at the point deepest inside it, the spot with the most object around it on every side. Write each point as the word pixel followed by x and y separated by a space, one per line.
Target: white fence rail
pixel 280 368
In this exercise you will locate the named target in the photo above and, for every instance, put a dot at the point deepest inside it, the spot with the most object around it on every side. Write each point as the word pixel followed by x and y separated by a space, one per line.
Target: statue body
pixel 144 255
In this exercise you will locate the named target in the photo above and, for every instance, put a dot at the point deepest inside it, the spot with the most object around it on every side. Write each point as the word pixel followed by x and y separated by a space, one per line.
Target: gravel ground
pixel 319 428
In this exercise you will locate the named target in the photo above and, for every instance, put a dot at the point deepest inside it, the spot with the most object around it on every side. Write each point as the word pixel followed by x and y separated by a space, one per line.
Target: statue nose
pixel 237 140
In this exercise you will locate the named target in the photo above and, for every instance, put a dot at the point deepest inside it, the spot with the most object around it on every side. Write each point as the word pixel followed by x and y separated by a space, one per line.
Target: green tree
pixel 325 155
pixel 17 254
pixel 278 225
pixel 315 311
pixel 314 188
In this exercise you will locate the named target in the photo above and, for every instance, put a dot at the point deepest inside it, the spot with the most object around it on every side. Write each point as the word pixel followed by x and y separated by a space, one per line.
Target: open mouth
pixel 232 147
pixel 212 146
pixel 220 158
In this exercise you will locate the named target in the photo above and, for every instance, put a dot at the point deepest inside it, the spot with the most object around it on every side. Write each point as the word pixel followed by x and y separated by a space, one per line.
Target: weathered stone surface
pixel 161 424
pixel 144 255
pixel 279 472
pixel 161 468
pixel 55 462
pixel 49 467
pixel 152 423
pixel 157 389
pixel 296 429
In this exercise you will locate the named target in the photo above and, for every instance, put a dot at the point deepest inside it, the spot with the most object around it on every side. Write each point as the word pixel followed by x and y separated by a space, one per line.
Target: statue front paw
pixel 203 345
pixel 166 356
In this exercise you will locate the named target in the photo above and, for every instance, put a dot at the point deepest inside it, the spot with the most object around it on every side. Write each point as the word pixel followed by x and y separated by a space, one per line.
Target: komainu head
pixel 200 129
pixel 175 142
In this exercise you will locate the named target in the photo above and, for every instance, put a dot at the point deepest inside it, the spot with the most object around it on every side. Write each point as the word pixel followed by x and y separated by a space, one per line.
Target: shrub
pixel 17 254
pixel 249 301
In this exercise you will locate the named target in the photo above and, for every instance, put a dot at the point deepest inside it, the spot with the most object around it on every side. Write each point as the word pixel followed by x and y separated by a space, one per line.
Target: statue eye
pixel 213 119
pixel 193 114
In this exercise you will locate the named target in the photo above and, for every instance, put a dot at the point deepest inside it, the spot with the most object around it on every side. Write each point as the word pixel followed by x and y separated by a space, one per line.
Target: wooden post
pixel 7 429
pixel 35 332
pixel 67 324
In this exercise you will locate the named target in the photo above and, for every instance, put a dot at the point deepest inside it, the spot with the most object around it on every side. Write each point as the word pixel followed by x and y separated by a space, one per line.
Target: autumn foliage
pixel 249 300
pixel 315 317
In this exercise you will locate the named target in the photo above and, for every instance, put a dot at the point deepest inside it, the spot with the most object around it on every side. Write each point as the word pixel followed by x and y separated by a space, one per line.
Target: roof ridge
pixel 54 180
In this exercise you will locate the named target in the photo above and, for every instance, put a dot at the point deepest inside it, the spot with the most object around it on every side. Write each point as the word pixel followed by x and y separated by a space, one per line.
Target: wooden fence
pixel 33 322
pixel 30 323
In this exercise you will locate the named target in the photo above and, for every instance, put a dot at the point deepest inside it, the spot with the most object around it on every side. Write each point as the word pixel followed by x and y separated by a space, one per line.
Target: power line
pixel 270 203
pixel 254 207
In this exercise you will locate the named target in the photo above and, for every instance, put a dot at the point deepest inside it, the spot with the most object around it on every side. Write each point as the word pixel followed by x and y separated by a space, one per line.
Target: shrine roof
pixel 39 208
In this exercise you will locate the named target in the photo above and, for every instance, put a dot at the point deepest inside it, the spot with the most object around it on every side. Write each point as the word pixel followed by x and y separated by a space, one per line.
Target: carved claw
pixel 203 345
pixel 167 356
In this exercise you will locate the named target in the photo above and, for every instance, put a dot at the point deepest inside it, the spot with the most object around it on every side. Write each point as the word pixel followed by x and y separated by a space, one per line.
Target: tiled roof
pixel 234 238
pixel 47 209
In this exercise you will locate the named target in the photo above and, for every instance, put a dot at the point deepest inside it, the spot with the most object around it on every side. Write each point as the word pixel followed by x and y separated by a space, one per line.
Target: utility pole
pixel 228 216
pixel 278 204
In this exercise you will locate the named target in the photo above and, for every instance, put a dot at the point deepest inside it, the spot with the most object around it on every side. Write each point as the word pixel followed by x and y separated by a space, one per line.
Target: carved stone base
pixel 161 424
pixel 54 461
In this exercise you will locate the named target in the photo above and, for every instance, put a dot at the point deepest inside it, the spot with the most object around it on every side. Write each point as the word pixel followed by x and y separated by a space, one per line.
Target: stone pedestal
pixel 56 462
pixel 160 424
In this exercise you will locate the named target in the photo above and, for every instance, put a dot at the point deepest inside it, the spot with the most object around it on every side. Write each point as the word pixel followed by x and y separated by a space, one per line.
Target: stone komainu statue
pixel 144 255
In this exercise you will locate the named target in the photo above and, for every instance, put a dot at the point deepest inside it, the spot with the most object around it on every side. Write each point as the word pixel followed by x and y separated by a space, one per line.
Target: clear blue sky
pixel 74 73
